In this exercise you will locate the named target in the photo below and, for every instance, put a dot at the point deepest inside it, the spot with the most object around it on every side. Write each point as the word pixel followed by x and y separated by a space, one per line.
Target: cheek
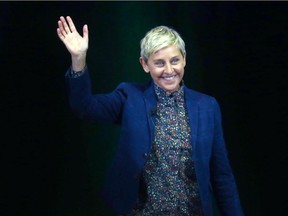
pixel 155 72
pixel 180 68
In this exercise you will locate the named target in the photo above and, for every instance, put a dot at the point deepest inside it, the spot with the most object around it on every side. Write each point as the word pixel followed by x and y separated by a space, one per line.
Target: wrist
pixel 75 74
pixel 78 62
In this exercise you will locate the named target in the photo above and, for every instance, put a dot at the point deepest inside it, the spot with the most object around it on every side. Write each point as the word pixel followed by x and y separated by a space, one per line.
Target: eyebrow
pixel 159 59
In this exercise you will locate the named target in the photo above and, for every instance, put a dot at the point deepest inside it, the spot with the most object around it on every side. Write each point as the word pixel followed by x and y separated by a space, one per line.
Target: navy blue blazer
pixel 133 106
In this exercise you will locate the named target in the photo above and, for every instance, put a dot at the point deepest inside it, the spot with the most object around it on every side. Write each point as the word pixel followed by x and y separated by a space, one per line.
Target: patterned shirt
pixel 169 175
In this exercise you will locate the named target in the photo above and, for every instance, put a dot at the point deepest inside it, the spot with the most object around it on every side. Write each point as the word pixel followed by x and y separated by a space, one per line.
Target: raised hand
pixel 76 44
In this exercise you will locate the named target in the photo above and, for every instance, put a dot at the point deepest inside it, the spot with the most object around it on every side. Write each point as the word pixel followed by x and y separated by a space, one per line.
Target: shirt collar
pixel 162 95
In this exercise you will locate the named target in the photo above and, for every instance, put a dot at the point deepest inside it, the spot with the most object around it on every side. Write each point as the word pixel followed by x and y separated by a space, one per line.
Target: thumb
pixel 85 32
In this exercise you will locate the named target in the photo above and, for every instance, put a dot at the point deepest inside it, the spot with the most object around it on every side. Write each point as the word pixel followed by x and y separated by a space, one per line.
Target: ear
pixel 184 59
pixel 144 64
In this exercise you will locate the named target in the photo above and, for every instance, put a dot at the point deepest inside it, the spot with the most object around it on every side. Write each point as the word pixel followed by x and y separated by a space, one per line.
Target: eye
pixel 159 63
pixel 175 61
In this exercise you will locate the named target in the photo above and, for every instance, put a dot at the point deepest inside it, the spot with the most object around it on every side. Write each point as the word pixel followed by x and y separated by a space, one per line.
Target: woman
pixel 171 157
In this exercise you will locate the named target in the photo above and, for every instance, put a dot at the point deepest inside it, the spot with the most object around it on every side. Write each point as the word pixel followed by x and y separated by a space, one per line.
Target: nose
pixel 168 68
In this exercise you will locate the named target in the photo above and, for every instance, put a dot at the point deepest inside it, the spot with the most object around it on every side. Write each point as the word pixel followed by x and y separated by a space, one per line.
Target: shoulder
pixel 200 98
pixel 132 87
pixel 197 95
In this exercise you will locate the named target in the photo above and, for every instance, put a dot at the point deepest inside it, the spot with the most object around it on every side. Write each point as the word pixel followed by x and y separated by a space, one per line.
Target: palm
pixel 74 42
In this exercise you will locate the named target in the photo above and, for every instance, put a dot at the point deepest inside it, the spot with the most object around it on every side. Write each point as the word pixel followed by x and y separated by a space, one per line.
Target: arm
pixel 87 106
pixel 74 42
pixel 224 184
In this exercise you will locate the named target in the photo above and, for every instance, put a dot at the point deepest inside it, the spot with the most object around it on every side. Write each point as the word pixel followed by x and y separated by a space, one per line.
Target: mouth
pixel 169 78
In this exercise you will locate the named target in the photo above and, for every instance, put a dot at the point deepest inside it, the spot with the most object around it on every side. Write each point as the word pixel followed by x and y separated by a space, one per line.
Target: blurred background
pixel 53 164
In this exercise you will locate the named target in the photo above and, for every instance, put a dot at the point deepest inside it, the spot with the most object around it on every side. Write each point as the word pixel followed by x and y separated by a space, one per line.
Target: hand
pixel 74 42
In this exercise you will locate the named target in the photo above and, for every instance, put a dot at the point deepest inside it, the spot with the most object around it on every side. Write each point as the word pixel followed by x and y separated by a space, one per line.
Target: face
pixel 166 67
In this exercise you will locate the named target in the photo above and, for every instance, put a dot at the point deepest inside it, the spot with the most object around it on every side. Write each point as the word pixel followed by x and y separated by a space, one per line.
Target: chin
pixel 169 89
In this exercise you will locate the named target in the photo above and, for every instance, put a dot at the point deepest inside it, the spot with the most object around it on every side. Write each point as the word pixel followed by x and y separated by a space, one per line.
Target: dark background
pixel 53 163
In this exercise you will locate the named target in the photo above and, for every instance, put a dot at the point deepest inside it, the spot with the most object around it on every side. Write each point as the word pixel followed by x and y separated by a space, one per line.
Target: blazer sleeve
pixel 94 107
pixel 223 181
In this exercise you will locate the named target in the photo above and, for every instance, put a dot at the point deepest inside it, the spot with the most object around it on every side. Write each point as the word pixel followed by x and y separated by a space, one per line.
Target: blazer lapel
pixel 193 114
pixel 151 109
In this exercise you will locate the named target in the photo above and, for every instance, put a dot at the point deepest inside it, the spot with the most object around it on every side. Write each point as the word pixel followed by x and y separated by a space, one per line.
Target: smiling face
pixel 166 67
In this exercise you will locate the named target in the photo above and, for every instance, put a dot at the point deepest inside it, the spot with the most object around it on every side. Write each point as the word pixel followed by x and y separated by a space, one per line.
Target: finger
pixel 71 24
pixel 60 35
pixel 60 30
pixel 65 26
pixel 61 26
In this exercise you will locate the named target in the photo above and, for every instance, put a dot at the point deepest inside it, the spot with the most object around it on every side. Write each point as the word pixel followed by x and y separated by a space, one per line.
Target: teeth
pixel 168 78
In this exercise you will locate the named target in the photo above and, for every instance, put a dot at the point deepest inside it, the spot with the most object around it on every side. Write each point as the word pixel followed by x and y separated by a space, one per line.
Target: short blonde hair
pixel 159 38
